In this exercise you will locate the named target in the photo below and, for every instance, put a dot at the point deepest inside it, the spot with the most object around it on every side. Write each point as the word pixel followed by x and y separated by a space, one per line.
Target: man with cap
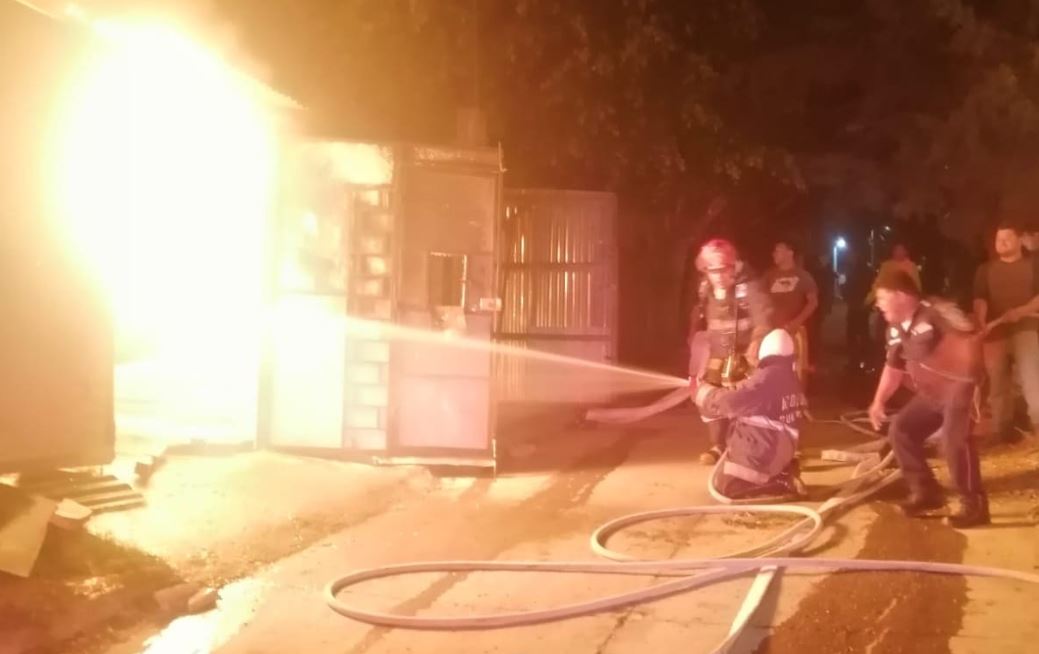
pixel 931 344
pixel 763 415
pixel 731 317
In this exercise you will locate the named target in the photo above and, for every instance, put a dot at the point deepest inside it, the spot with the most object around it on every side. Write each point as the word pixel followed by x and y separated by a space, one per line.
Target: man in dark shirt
pixel 795 297
pixel 1006 299
pixel 932 346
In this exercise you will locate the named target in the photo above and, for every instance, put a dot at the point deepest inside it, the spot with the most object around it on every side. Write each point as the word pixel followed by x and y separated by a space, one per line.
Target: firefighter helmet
pixel 716 254
pixel 776 343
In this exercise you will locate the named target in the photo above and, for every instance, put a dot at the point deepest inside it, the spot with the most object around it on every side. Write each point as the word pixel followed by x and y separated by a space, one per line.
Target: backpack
pixel 957 355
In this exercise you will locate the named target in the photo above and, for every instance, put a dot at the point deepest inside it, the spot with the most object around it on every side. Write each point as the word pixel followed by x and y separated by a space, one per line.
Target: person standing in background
pixel 855 290
pixel 931 253
pixel 1030 240
pixel 822 272
pixel 1006 301
pixel 899 260
pixel 795 298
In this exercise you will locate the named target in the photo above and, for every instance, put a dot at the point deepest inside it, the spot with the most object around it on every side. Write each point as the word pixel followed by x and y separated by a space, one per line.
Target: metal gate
pixel 384 305
pixel 441 408
pixel 558 281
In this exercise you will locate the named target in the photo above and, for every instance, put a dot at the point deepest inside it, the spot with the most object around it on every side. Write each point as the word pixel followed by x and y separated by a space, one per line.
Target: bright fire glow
pixel 166 168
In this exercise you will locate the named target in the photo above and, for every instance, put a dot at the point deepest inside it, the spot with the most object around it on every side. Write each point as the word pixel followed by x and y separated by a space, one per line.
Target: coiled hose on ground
pixel 871 474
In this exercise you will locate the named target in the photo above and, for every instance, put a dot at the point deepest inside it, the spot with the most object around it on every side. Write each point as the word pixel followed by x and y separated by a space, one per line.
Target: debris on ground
pixel 81 583
pixel 204 600
pixel 23 528
pixel 185 598
pixel 173 600
pixel 70 514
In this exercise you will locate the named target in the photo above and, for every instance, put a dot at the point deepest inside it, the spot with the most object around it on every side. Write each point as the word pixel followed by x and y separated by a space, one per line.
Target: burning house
pixel 55 339
pixel 253 285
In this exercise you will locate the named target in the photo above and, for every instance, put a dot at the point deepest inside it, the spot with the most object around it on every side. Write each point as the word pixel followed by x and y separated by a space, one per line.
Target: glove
pixel 702 392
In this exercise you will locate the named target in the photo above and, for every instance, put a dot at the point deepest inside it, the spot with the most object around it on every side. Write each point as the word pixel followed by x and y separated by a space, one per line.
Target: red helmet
pixel 716 254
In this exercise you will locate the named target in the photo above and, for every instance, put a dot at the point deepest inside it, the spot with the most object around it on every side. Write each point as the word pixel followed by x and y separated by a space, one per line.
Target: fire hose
pixel 871 474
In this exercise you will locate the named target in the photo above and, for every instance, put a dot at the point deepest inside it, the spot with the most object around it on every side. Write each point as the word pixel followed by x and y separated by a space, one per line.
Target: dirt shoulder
pixel 207 521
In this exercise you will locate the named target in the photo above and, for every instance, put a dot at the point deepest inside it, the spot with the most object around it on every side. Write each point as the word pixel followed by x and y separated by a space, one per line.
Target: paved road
pixel 560 483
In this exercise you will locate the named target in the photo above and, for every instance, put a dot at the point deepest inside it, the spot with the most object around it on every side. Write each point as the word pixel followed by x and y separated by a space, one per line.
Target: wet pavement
pixel 271 530
pixel 555 488
pixel 218 518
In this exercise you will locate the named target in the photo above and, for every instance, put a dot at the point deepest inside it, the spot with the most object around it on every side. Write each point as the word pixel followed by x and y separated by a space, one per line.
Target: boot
pixel 711 456
pixel 780 488
pixel 787 485
pixel 922 500
pixel 793 475
pixel 972 512
pixel 735 488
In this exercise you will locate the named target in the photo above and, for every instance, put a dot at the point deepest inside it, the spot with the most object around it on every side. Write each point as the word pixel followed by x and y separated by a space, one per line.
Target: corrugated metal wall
pixel 558 280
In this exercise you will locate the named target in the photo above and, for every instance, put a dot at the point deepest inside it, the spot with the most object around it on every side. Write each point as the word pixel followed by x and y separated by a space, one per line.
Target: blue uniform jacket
pixel 766 410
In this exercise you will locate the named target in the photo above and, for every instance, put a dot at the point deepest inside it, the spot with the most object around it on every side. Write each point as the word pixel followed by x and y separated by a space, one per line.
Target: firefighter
pixel 931 345
pixel 764 414
pixel 731 315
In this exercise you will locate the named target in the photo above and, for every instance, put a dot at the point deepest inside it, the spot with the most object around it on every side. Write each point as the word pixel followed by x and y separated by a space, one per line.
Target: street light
pixel 838 245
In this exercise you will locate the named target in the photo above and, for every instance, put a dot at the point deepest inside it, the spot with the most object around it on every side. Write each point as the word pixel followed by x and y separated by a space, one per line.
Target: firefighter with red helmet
pixel 729 320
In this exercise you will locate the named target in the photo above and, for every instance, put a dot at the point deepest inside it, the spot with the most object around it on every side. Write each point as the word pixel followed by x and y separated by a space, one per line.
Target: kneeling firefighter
pixel 729 320
pixel 764 413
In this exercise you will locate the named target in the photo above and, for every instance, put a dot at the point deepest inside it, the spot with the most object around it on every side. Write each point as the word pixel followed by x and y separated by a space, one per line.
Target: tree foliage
pixel 754 117
pixel 871 108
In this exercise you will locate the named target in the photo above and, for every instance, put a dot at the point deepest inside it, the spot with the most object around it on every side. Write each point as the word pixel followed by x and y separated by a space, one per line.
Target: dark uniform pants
pixel 920 418
pixel 718 431
pixel 757 463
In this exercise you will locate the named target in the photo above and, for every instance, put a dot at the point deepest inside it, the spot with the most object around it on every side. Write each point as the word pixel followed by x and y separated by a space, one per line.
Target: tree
pixel 879 106
pixel 606 95
pixel 778 115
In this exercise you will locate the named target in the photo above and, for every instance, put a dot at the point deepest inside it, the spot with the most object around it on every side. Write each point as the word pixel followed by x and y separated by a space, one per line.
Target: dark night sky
pixel 857 109
pixel 796 113
pixel 813 118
